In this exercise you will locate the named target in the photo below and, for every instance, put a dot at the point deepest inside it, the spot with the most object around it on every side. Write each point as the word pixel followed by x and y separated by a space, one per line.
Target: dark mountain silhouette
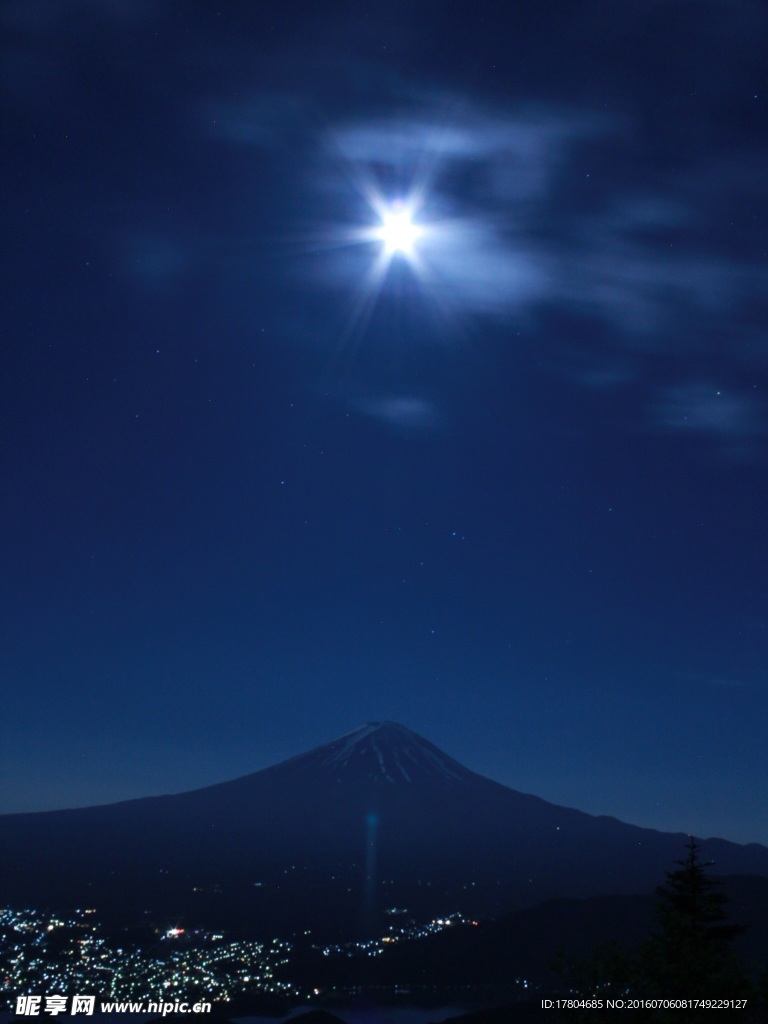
pixel 330 840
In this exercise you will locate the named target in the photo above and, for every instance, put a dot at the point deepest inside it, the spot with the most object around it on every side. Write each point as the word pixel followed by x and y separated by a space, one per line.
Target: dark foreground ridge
pixel 339 840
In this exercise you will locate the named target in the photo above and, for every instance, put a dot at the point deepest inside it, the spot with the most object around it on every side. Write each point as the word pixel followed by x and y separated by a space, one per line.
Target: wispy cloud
pixel 702 408
pixel 501 189
pixel 734 421
pixel 714 681
pixel 400 411
pixel 508 156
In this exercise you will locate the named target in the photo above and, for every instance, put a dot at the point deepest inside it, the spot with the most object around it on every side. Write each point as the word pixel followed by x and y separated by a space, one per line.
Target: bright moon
pixel 398 232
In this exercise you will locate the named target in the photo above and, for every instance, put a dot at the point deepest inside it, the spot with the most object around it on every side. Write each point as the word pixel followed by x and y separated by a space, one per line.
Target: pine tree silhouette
pixel 691 955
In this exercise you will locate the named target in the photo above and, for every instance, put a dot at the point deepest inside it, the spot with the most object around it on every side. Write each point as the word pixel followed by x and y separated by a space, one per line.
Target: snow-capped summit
pixel 378 751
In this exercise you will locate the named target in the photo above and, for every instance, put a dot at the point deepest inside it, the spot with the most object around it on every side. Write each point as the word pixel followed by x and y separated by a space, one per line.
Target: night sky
pixel 265 479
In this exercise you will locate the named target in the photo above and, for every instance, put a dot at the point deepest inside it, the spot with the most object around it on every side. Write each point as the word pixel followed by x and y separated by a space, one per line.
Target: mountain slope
pixel 331 839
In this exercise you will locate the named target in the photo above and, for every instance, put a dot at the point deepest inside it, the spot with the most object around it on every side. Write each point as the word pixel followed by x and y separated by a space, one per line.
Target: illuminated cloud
pixel 473 180
pixel 537 214
pixel 734 421
pixel 408 413
pixel 520 222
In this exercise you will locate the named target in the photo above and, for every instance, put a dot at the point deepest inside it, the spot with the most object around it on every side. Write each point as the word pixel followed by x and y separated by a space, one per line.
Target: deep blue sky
pixel 511 493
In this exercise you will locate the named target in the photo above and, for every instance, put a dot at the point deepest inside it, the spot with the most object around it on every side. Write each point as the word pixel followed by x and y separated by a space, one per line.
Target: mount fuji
pixel 332 840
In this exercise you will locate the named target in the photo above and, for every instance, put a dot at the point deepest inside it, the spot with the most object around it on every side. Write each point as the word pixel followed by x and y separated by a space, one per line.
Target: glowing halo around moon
pixel 398 232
